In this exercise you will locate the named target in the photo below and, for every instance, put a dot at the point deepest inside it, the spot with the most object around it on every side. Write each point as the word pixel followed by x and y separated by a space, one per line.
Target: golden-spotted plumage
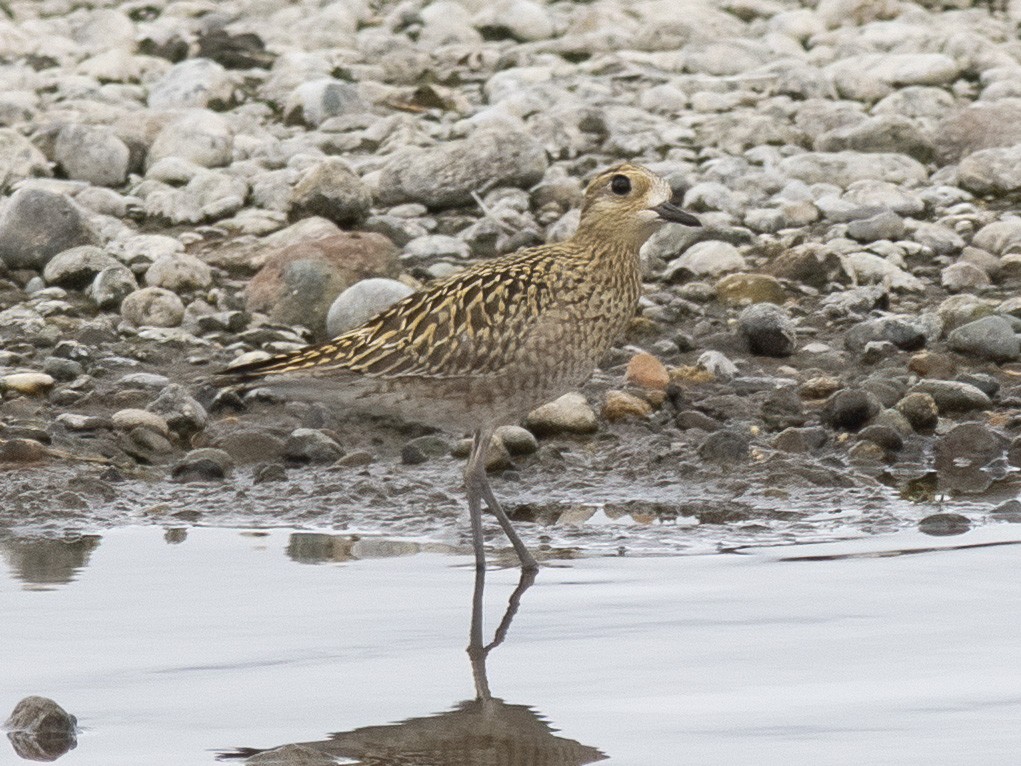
pixel 487 345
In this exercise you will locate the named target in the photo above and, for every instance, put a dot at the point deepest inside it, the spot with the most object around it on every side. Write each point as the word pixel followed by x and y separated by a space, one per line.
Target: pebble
pixel 203 464
pixel 129 419
pixel 111 286
pixel 27 383
pixel 152 307
pixel 725 446
pixel 179 272
pixel 745 289
pixel 570 414
pixel 953 397
pixel 944 524
pixel 921 411
pixel 41 730
pixel 92 153
pixel 706 259
pixel 517 440
pixel 362 301
pixel 182 413
pixel 620 405
pixel 330 190
pixel 768 330
pixel 35 225
pixel 991 338
pixel 646 371
pixel 849 409
pixel 311 445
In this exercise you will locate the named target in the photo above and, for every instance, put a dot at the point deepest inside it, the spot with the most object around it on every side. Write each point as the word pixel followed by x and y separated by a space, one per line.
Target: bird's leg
pixel 477 652
pixel 474 480
pixel 524 555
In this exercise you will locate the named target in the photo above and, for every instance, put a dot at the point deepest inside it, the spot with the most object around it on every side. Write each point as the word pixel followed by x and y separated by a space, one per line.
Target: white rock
pixel 179 272
pixel 198 135
pixel 570 413
pixel 868 268
pixel 92 153
pixel 192 83
pixel 711 258
pixel 28 383
pixel 362 301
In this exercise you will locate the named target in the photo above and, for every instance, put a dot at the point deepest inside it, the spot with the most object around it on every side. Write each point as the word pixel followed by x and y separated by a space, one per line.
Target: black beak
pixel 668 211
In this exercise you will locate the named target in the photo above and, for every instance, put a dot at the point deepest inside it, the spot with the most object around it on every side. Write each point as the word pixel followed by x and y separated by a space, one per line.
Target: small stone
pixel 646 371
pixel 152 307
pixel 111 286
pixel 196 82
pixel 921 412
pixel 885 225
pixel 19 159
pixel 963 276
pixel 800 440
pixel 517 440
pixel 717 364
pixel 990 338
pixel 77 267
pixel 885 436
pixel 991 171
pixel 568 414
pixel 21 451
pixel 129 419
pixel 745 289
pixel 865 452
pixel 35 225
pixel 689 419
pixel 953 397
pixel 27 383
pixel 179 272
pixel 41 730
pixel 310 445
pixel 620 405
pixel 725 446
pixel 1008 511
pixel 62 369
pixel 203 464
pixel 424 448
pixel 268 472
pixel 710 258
pixel 944 524
pixel 199 136
pixel 782 408
pixel 183 414
pixel 907 333
pixel 768 330
pixel 314 102
pixel 92 153
pixel 362 301
pixel 965 454
pixel 332 191
pixel 849 409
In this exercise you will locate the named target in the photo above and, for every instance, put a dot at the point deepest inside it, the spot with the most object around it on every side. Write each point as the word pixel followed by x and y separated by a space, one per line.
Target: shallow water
pixel 181 646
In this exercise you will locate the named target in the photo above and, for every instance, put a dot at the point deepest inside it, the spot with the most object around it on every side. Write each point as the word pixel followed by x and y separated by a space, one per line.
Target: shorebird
pixel 486 346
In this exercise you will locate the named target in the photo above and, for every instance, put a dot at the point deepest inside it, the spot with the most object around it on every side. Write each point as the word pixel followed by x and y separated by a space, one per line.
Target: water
pixel 179 647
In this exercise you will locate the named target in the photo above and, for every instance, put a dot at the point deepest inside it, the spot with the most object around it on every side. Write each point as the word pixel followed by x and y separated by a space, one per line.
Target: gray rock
pixel 198 135
pixel 192 83
pixel 952 396
pixel 871 76
pixel 768 329
pixel 436 246
pixel 310 445
pixel 800 440
pixel 35 225
pixel 41 730
pixel 990 338
pixel 999 237
pixel 362 301
pixel 314 102
pixel 131 418
pixel 517 440
pixel 92 153
pixel 568 414
pixel 844 168
pixel 958 310
pixel 725 446
pixel 333 191
pixel 183 414
pixel 152 307
pixel 983 125
pixel 850 409
pixel 882 435
pixel 424 448
pixel 19 159
pixel 111 286
pixel 941 239
pixel 77 267
pixel 885 225
pixel 920 411
pixel 710 258
pixel 523 20
pixel 179 272
pixel 446 175
pixel 963 276
pixel 885 133
pixel 969 456
pixel 944 524
pixel 906 332
pixel 203 464
pixel 991 171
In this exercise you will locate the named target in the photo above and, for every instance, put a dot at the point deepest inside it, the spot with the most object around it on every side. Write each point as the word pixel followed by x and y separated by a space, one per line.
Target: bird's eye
pixel 620 184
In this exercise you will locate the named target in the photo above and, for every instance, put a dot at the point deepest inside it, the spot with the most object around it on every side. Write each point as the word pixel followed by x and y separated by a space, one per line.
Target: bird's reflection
pixel 485 730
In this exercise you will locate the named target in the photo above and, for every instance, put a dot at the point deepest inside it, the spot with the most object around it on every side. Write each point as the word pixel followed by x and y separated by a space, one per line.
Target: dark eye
pixel 620 184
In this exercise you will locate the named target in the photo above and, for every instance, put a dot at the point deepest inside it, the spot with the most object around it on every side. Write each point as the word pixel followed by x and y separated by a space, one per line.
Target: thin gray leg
pixel 473 482
pixel 479 450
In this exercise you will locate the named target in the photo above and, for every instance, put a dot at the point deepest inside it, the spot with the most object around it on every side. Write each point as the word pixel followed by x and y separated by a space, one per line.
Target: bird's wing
pixel 473 323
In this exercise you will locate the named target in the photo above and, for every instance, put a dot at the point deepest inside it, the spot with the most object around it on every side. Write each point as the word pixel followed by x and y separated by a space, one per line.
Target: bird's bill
pixel 668 211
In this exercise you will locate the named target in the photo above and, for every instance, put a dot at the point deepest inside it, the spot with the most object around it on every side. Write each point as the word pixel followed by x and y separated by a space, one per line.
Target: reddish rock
pixel 646 371
pixel 621 405
pixel 298 283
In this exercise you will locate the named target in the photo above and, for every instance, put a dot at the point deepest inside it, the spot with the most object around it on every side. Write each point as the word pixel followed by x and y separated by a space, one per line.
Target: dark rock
pixel 268 472
pixel 811 264
pixel 424 448
pixel 987 384
pixel 800 440
pixel 885 225
pixel 184 415
pixel 35 225
pixel 906 333
pixel 969 457
pixel 953 397
pixel 990 337
pixel 234 51
pixel 62 369
pixel 203 464
pixel 768 330
pixel 687 419
pixel 944 524
pixel 77 267
pixel 1008 511
pixel 250 445
pixel 782 409
pixel 921 412
pixel 884 436
pixel 726 446
pixel 21 451
pixel 309 445
pixel 41 730
pixel 850 409
pixel 146 445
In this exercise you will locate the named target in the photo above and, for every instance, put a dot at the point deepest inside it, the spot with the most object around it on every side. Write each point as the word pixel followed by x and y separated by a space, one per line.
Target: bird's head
pixel 629 202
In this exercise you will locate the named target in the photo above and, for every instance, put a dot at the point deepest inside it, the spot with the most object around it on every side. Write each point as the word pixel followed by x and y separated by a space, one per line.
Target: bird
pixel 487 345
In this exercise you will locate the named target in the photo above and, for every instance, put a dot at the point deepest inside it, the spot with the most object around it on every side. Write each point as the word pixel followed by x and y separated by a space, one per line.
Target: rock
pixel 130 419
pixel 969 457
pixel 689 419
pixel 446 175
pixel 1009 511
pixel 92 153
pixel 709 258
pixel 21 451
pixel 291 755
pixel 362 301
pixel 569 414
pixel 330 190
pixel 744 289
pixel 179 272
pixel 517 440
pixel 944 524
pixel 883 436
pixel 620 405
pixel 885 225
pixel 991 171
pixel 27 383
pixel 41 730
pixel 77 267
pixel 991 338
pixel 716 364
pixel 904 331
pixel 768 330
pixel 845 168
pixel 868 268
pixel 782 408
pixel 203 464
pixel 183 414
pixel 1000 236
pixel 431 247
pixel 522 20
pixel 111 286
pixel 810 264
pixel 980 126
pixel 646 371
pixel 249 445
pixel 152 307
pixel 19 159
pixel 35 225
pixel 800 440
pixel 310 445
pixel 725 446
pixel 298 284
pixel 424 448
pixel 314 102
pixel 883 133
pixel 267 472
pixel 199 136
pixel 849 409
pixel 958 310
pixel 952 396
pixel 871 76
pixel 194 82
pixel 963 276
pixel 920 411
